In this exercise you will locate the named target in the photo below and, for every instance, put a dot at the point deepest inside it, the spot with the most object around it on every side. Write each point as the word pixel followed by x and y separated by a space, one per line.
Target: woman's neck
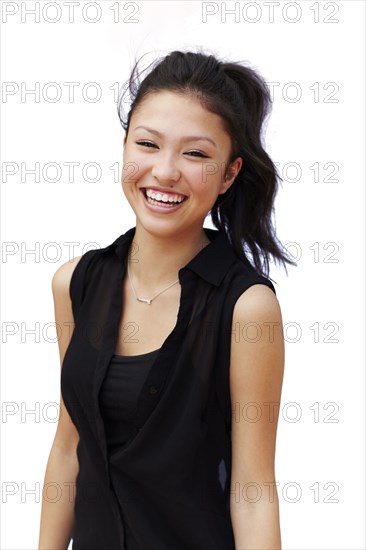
pixel 155 260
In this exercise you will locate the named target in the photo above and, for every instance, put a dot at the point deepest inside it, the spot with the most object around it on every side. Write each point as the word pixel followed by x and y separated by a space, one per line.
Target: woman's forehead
pixel 169 113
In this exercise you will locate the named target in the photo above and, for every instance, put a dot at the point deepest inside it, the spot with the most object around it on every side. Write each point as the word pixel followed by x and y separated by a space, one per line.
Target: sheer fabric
pixel 168 486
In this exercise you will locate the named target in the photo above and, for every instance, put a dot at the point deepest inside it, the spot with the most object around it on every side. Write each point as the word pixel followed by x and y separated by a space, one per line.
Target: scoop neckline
pixel 135 356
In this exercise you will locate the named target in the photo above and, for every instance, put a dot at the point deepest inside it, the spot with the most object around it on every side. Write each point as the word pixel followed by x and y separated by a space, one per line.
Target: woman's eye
pixel 150 144
pixel 198 153
pixel 146 143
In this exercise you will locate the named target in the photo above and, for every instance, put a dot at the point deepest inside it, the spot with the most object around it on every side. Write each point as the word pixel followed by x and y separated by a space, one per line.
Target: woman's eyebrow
pixel 186 138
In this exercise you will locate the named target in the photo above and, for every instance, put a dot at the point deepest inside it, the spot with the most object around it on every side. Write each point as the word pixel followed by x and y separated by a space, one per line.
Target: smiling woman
pixel 177 151
pixel 148 433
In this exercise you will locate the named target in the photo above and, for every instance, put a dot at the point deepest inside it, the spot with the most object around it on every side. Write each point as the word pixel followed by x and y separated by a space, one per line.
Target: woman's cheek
pixel 203 181
pixel 129 174
pixel 133 170
pixel 140 166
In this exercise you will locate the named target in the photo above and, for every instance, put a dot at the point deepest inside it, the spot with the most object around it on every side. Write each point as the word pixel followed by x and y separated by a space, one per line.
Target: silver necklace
pixel 151 299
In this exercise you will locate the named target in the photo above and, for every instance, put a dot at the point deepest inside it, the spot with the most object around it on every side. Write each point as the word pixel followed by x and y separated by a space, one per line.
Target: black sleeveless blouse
pixel 166 483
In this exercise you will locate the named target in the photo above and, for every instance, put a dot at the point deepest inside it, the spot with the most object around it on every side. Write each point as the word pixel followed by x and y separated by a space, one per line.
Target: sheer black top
pixel 168 486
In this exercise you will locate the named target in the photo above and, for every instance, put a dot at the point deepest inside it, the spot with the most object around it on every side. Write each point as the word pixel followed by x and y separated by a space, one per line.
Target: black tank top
pixel 121 387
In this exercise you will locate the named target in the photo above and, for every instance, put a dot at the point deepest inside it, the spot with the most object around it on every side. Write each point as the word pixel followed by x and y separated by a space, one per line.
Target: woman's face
pixel 175 147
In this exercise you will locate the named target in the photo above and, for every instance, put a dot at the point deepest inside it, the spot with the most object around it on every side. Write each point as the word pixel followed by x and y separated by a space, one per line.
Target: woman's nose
pixel 165 169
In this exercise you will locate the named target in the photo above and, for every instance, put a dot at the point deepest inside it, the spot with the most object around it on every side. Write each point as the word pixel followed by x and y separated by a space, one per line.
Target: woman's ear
pixel 230 177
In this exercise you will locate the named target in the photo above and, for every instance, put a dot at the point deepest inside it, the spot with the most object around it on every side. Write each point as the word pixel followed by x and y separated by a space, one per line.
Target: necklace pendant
pixel 146 301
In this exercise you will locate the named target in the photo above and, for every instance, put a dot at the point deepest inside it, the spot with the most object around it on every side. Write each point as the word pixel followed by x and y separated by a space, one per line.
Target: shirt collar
pixel 211 263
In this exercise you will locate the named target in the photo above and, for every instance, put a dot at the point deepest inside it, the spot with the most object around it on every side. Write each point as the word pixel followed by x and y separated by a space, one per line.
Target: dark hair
pixel 240 96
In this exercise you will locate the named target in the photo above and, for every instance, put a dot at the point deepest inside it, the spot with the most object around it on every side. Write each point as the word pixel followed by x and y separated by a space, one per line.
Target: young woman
pixel 171 382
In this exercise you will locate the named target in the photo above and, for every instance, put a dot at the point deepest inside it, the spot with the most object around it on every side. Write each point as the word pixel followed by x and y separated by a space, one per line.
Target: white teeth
pixel 163 196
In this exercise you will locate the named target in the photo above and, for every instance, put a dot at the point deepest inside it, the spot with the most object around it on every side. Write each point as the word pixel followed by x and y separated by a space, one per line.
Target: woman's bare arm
pixel 57 516
pixel 256 375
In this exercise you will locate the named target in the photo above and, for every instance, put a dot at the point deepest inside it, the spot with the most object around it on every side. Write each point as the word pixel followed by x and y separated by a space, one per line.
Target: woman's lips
pixel 169 193
pixel 158 206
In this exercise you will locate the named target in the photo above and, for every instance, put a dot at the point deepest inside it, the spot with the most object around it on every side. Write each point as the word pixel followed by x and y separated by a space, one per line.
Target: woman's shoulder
pixel 65 271
pixel 257 304
pixel 256 294
pixel 63 274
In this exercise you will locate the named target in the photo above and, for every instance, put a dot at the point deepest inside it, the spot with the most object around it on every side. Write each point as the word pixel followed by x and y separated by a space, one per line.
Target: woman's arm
pixel 57 516
pixel 256 375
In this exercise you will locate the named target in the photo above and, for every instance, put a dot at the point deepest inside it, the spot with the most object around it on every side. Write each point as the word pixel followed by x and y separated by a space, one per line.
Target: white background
pixel 320 444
